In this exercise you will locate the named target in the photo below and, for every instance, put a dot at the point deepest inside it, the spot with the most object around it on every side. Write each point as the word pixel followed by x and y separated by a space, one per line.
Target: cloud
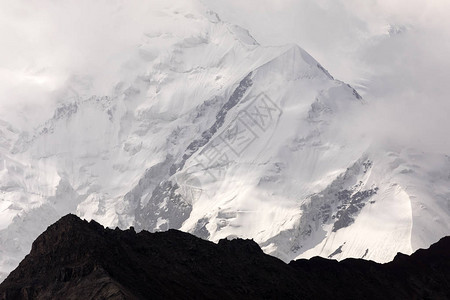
pixel 49 45
pixel 395 52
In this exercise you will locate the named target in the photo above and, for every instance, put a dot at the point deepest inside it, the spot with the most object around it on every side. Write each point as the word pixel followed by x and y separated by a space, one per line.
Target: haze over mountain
pixel 189 123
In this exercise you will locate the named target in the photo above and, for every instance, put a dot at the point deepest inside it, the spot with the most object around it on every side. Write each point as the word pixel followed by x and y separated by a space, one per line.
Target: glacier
pixel 212 133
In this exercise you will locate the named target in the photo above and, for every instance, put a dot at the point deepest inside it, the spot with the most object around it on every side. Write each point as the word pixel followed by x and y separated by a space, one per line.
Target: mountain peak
pixel 190 124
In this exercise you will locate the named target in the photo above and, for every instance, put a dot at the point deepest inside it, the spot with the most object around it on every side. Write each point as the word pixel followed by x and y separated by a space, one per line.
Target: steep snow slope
pixel 209 132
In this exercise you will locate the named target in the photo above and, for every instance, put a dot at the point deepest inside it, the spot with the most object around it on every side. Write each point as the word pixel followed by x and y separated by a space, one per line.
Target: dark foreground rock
pixel 74 259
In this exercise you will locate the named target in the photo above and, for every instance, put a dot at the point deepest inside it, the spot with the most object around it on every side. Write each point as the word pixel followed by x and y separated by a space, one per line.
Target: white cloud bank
pixel 48 45
pixel 395 52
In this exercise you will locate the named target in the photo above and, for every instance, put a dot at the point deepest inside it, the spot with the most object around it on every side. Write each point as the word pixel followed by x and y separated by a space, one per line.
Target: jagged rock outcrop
pixel 74 259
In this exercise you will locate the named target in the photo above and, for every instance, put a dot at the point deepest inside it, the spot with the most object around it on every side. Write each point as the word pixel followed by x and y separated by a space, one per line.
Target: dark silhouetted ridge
pixel 76 259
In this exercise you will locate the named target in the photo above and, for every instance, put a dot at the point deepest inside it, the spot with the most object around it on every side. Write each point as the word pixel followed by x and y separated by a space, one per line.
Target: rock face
pixel 74 259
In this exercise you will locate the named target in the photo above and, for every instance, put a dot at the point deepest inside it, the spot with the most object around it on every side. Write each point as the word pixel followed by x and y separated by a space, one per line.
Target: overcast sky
pixel 395 52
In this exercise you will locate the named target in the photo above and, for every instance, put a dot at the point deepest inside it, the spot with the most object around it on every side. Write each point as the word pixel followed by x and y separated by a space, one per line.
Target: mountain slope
pixel 206 131
pixel 74 259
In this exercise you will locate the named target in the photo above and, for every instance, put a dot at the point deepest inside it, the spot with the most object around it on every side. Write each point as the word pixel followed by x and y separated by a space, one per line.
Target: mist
pixel 51 48
pixel 395 53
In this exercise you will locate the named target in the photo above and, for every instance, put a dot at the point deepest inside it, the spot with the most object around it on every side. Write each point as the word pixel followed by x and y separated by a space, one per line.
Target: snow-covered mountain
pixel 211 133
